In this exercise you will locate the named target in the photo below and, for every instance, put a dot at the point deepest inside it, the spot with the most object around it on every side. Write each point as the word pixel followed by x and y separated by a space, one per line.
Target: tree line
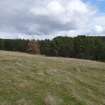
pixel 84 47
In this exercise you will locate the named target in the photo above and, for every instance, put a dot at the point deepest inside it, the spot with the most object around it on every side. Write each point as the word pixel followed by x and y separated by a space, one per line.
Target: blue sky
pixel 42 19
pixel 100 4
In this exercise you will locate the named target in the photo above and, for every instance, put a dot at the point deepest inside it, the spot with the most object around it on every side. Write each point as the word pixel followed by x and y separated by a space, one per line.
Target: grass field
pixel 37 80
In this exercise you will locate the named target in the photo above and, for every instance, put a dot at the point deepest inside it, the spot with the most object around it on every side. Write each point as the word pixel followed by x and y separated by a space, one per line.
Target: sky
pixel 41 19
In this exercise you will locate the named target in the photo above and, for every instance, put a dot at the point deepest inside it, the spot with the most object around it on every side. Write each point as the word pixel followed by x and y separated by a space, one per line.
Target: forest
pixel 83 47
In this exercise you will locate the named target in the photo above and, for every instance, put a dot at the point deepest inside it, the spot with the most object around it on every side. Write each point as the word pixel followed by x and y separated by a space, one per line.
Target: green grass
pixel 37 80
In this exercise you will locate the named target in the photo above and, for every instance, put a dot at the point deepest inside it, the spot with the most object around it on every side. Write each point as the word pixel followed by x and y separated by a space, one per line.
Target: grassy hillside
pixel 38 80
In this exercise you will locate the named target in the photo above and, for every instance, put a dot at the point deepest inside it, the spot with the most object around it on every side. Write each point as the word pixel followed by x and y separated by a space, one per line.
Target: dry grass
pixel 37 80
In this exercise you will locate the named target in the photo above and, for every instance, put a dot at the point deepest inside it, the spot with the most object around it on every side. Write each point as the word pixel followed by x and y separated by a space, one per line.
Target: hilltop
pixel 38 80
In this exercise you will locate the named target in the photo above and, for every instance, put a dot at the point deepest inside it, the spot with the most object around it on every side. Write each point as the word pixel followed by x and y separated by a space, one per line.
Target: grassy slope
pixel 36 80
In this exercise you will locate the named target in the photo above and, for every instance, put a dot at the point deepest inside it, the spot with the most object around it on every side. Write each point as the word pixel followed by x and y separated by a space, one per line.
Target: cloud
pixel 47 18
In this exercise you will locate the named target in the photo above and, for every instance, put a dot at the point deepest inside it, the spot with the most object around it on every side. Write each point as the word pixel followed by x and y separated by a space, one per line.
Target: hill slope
pixel 38 80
